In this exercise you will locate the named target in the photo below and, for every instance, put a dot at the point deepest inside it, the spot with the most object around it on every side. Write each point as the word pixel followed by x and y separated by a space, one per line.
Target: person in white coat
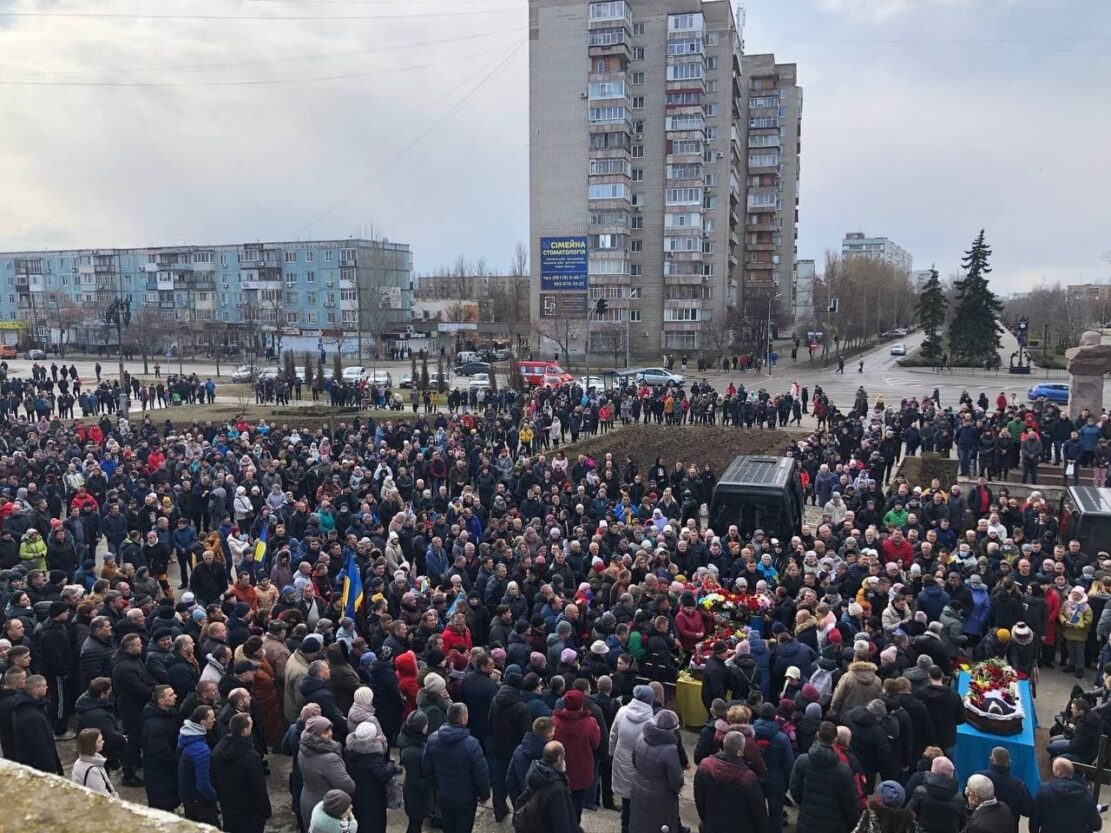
pixel 89 769
pixel 628 726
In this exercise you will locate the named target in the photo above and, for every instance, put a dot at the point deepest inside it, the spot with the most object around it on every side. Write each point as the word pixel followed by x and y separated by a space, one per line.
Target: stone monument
pixel 1087 365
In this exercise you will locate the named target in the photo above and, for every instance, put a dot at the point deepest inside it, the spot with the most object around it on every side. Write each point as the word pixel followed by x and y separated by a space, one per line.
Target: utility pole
pixel 768 354
pixel 1045 346
pixel 119 314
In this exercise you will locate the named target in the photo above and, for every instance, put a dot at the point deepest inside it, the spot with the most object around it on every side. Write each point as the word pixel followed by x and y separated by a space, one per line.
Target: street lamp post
pixel 768 356
pixel 119 314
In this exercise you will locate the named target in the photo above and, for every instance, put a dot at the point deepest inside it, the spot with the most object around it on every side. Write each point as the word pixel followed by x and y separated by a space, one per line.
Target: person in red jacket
pixel 580 735
pixel 405 666
pixel 689 623
pixel 457 635
pixel 898 549
pixel 83 499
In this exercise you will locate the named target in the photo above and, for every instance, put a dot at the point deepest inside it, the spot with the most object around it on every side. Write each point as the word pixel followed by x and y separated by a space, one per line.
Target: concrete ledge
pixel 36 801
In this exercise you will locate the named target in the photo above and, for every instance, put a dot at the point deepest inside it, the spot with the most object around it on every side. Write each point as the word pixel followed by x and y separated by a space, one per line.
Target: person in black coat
pixel 510 721
pixel 159 742
pixel 57 663
pixel 1009 789
pixel 727 794
pixel 95 711
pixel 240 780
pixel 416 790
pixel 133 686
pixel 547 782
pixel 945 707
pixel 371 769
pixel 715 676
pixel 822 786
pixel 315 689
pixel 389 704
pixel 95 657
pixel 34 736
pixel 478 693
pixel 14 679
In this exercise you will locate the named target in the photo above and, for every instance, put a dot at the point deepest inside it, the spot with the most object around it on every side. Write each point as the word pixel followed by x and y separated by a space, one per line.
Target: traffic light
pixel 601 306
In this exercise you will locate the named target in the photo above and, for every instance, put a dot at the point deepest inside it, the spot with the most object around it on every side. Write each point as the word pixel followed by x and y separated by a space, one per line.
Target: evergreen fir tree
pixel 423 370
pixel 931 316
pixel 308 371
pixel 975 332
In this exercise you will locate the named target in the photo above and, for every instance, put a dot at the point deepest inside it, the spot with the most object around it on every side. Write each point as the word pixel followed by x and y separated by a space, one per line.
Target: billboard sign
pixel 563 305
pixel 563 263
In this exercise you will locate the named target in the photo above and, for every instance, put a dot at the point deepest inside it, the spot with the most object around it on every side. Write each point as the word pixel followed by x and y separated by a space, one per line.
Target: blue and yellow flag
pixel 352 587
pixel 260 547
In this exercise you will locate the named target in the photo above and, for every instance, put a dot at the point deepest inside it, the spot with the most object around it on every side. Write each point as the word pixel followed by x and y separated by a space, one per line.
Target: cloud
pixel 879 11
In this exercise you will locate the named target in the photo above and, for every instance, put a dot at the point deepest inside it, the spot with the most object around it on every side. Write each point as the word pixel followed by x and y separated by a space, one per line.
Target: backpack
pixel 529 816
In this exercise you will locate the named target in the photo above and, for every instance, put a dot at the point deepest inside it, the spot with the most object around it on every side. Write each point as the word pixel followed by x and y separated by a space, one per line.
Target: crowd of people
pixel 433 614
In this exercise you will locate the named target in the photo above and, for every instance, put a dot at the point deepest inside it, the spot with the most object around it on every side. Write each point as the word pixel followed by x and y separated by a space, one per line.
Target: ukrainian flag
pixel 352 587
pixel 260 547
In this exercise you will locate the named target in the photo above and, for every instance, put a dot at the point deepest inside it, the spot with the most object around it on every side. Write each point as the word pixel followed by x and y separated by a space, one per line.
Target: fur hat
pixel 667 720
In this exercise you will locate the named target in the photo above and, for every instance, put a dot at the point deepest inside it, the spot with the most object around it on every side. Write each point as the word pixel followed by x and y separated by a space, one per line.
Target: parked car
pixel 595 382
pixel 480 380
pixel 405 380
pixel 898 332
pixel 269 374
pixel 379 377
pixel 471 368
pixel 658 376
pixel 353 374
pixel 244 373
pixel 898 349
pixel 35 355
pixel 8 351
pixel 1053 391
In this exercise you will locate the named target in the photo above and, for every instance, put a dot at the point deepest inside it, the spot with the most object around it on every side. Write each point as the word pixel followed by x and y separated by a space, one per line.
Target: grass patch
pixel 922 469
pixel 715 445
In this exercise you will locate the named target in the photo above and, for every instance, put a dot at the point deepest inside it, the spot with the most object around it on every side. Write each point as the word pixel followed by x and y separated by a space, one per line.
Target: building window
pixel 634 316
pixel 310 297
pixel 638 151
pixel 636 79
pixel 637 223
pixel 710 181
pixel 609 191
pixel 636 245
pixel 712 62
pixel 684 72
pixel 638 102
pixel 638 174
pixel 606 89
pixel 310 257
pixel 635 270
pixel 638 53
pixel 711 134
pixel 291 257
pixel 606 115
pixel 310 276
pixel 711 110
pixel 638 28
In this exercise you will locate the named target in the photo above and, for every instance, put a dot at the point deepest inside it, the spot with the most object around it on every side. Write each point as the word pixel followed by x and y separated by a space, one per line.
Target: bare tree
pixel 67 317
pixel 145 332
pixel 560 331
pixel 518 267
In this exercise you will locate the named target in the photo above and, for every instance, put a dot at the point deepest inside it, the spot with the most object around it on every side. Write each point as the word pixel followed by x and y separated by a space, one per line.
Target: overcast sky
pixel 924 121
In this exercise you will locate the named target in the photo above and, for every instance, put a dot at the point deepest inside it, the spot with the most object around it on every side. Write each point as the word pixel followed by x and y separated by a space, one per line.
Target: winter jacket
pixel 530 749
pixel 194 775
pixel 932 600
pixel 779 758
pixel 938 804
pixel 416 789
pixel 240 782
pixel 316 690
pixel 627 728
pixel 132 686
pixel 549 786
pixel 656 783
pixel 322 769
pixel 976 620
pixel 992 817
pixel 389 705
pixel 93 713
pixel 823 788
pixel 946 713
pixel 90 771
pixel 34 736
pixel 856 688
pixel 875 743
pixel 952 632
pixel 880 819
pixel 453 761
pixel 95 659
pixel 510 720
pixel 371 770
pixel 1064 805
pixel 728 797
pixel 792 652
pixel 434 707
pixel 160 756
pixel 580 735
pixel 478 693
pixel 1010 790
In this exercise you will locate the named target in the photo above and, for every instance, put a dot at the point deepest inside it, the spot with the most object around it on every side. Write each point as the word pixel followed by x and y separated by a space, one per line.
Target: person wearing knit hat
pixel 1021 633
pixel 667 720
pixel 1003 635
pixel 318 726
pixel 435 683
pixel 942 766
pixel 598 648
pixel 331 812
pixel 855 610
pixel 891 794
pixel 889 655
pixel 568 656
pixel 810 693
pixel 644 694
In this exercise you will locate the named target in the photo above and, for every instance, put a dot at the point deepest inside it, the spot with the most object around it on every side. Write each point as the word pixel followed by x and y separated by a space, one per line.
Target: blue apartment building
pixel 351 295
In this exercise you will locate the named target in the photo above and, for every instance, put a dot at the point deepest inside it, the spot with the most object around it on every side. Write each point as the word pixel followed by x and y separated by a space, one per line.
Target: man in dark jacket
pixel 97 650
pixel 1009 789
pixel 34 736
pixel 453 761
pixel 945 707
pixel 715 676
pixel 775 748
pixel 1064 805
pixel 55 649
pixel 478 692
pixel 14 680
pixel 510 720
pixel 209 580
pixel 529 750
pixel 133 686
pixel 822 787
pixel 875 741
pixel 727 793
pixel 315 689
pixel 989 814
pixel 159 740
pixel 240 780
pixel 95 711
pixel 549 803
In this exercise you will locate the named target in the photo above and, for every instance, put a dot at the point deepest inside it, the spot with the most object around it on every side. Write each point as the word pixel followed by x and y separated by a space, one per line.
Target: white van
pixel 464 356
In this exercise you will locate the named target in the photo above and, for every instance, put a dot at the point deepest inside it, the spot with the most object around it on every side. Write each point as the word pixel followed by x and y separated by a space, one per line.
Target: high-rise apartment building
pixel 856 244
pixel 287 295
pixel 640 144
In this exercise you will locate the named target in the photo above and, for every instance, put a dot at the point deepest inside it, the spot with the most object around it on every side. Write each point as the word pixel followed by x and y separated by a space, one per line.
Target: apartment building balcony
pixel 685 257
pixel 605 50
pixel 685 84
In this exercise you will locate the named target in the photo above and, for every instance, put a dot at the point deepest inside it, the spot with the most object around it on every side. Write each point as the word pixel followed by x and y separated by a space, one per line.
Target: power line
pixel 420 137
pixel 255 83
pixel 263 61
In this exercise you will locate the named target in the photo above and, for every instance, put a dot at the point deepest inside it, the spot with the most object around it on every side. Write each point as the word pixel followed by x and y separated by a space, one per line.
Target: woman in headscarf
pixel 1076 619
